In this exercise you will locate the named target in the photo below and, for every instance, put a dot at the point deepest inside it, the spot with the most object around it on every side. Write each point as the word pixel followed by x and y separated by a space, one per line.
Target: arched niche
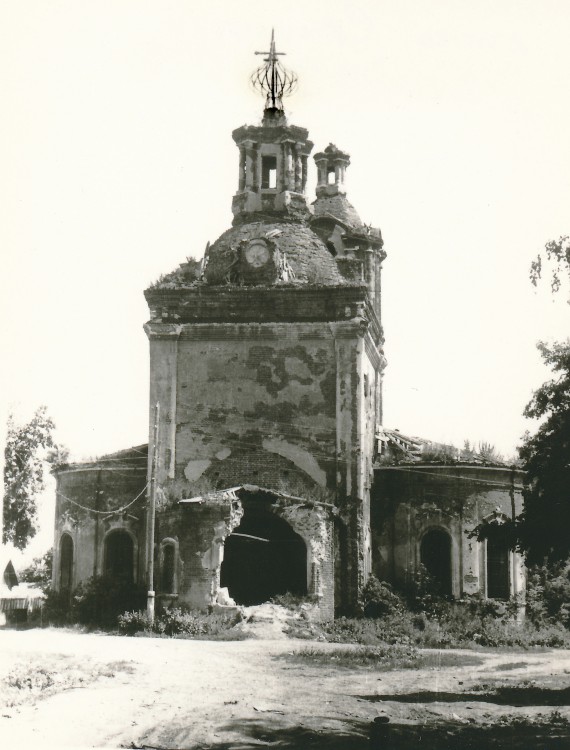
pixel 119 556
pixel 435 556
pixel 65 563
pixel 498 568
pixel 168 566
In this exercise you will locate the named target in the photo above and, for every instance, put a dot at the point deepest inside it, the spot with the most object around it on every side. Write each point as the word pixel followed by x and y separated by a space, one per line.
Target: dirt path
pixel 245 694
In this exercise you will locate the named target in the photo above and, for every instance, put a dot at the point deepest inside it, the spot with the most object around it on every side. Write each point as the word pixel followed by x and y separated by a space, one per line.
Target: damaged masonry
pixel 266 358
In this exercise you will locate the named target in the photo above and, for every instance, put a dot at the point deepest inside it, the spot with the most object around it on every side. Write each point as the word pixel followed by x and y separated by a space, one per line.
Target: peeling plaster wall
pixel 163 391
pixel 410 500
pixel 257 388
pixel 369 396
pixel 101 488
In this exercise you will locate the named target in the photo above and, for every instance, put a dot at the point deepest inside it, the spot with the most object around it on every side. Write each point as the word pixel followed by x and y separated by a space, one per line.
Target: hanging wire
pixel 103 512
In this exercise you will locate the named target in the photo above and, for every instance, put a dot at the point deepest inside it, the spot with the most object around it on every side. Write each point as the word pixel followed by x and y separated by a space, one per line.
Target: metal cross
pixel 272 79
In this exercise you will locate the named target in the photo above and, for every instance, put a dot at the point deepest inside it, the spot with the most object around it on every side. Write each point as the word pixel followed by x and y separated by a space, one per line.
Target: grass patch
pixel 511 665
pixel 28 681
pixel 454 626
pixel 226 635
pixel 381 658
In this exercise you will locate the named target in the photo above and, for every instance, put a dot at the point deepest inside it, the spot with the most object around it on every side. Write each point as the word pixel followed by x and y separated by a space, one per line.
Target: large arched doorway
pixel 263 557
pixel 66 563
pixel 435 556
pixel 119 556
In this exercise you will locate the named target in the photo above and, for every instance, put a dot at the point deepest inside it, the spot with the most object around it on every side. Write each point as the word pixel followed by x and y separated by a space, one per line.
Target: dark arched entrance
pixel 435 556
pixel 263 557
pixel 498 568
pixel 66 562
pixel 119 556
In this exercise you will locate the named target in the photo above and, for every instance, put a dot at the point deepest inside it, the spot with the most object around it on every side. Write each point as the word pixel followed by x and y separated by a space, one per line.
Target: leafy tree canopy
pixel 26 447
pixel 557 256
pixel 39 570
pixel 542 528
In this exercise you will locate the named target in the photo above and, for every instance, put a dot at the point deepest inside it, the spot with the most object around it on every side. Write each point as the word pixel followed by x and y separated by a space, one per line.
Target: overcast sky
pixel 117 163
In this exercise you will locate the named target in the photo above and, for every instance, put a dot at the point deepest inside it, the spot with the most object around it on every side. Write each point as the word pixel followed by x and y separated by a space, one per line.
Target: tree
pixel 39 570
pixel 24 475
pixel 542 528
pixel 557 254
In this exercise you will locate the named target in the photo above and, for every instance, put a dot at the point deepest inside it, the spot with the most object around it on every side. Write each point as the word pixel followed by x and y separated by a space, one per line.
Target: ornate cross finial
pixel 272 79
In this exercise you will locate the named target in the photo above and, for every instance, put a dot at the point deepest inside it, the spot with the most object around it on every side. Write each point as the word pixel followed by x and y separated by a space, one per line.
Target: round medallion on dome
pixel 271 253
pixel 256 253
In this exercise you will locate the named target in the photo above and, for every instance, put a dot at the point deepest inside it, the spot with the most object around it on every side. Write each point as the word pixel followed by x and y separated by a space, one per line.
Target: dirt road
pixel 246 694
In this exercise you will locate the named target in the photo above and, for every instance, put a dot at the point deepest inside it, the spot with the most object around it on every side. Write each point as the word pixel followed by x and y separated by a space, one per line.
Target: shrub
pixel 548 594
pixel 134 622
pixel 57 607
pixel 397 629
pixel 378 599
pixel 99 601
pixel 423 594
pixel 179 622
pixel 462 624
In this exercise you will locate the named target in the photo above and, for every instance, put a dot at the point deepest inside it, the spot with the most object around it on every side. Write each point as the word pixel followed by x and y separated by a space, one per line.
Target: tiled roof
pixel 395 447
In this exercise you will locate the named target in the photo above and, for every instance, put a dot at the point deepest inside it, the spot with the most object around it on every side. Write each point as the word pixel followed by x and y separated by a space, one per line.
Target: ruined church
pixel 268 469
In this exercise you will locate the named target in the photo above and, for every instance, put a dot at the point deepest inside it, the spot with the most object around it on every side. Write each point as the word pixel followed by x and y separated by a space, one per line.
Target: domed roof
pixel 339 207
pixel 304 252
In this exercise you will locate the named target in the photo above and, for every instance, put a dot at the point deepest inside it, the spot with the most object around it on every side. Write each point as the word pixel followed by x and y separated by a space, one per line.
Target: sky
pixel 117 163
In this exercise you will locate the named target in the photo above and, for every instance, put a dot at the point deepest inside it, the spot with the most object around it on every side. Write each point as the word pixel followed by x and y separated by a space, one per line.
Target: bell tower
pixel 272 156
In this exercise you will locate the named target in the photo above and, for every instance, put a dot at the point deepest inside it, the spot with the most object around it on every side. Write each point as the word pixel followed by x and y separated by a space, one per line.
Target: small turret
pixel 356 246
pixel 331 169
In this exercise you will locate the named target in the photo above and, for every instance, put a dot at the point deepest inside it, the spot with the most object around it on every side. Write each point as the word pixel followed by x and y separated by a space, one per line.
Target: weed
pixel 449 625
pixel 293 601
pixel 26 682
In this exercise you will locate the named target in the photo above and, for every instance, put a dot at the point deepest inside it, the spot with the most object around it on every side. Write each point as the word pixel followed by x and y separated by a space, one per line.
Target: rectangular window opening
pixel 331 177
pixel 268 172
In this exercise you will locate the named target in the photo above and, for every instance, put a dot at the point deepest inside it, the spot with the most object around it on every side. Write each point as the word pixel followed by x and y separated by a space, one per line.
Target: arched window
pixel 65 562
pixel 167 577
pixel 435 556
pixel 498 568
pixel 119 555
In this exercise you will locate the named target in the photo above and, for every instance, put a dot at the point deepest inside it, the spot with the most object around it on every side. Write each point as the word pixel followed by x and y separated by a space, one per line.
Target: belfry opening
pixel 263 557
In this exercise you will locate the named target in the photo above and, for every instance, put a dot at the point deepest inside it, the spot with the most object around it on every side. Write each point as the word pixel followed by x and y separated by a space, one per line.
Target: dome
pixel 339 207
pixel 302 250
